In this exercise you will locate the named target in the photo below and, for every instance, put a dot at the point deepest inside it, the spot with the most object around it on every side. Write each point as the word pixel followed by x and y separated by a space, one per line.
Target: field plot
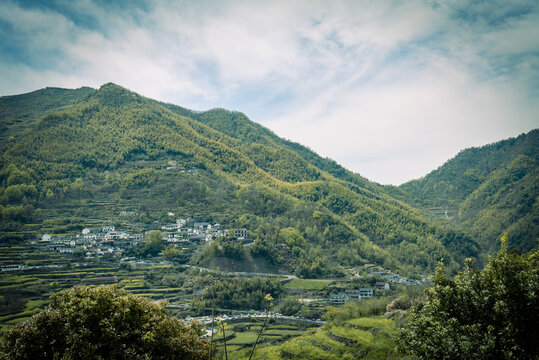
pixel 241 335
pixel 361 338
pixel 307 284
pixel 24 292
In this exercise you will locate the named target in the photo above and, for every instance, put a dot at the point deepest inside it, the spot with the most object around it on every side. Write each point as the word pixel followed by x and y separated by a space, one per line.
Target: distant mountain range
pixel 73 157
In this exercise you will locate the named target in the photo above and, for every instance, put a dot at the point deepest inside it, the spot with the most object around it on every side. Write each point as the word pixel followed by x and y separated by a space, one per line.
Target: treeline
pixel 241 293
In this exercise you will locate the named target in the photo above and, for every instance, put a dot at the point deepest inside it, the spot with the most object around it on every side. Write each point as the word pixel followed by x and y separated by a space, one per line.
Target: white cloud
pixel 390 89
pixel 395 131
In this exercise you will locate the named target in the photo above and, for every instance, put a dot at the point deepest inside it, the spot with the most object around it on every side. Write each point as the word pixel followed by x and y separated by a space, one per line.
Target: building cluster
pixel 398 279
pixel 187 230
pixel 357 294
pixel 106 240
pixel 94 242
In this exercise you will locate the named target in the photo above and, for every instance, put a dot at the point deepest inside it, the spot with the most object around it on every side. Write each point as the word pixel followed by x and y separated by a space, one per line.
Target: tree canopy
pixel 103 322
pixel 481 314
pixel 153 243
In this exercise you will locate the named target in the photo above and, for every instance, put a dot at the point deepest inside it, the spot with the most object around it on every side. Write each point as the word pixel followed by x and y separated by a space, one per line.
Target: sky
pixel 389 89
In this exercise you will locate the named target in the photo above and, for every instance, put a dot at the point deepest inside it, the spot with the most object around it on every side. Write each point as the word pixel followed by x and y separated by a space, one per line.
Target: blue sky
pixel 389 89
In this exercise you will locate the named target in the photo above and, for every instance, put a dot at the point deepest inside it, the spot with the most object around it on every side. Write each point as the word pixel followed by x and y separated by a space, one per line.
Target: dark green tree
pixel 153 243
pixel 480 314
pixel 103 322
pixel 171 253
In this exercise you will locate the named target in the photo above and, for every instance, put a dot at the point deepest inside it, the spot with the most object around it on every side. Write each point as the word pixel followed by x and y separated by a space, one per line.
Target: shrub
pixel 103 322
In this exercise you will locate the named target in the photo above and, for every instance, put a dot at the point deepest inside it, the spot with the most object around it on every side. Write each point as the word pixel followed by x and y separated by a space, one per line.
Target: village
pixel 184 233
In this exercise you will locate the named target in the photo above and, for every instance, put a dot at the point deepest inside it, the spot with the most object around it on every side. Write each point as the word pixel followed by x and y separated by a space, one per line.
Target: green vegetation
pixel 242 293
pixel 487 191
pixel 307 284
pixel 153 244
pixel 481 314
pixel 348 334
pixel 18 113
pixel 103 322
pixel 72 159
pixel 88 156
pixel 242 335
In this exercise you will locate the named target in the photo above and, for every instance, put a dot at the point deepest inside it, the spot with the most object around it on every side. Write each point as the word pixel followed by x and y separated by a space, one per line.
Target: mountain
pixel 491 190
pixel 20 112
pixel 78 157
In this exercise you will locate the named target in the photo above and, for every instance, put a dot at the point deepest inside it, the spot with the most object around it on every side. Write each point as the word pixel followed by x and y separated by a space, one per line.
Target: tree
pixel 103 322
pixel 482 314
pixel 171 253
pixel 79 253
pixel 153 243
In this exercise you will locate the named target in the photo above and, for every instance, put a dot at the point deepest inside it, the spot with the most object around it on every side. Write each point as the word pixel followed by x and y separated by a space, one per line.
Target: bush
pixel 103 322
pixel 482 314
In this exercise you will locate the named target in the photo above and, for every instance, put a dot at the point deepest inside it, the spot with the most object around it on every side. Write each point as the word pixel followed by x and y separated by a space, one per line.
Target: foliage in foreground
pixel 482 314
pixel 103 322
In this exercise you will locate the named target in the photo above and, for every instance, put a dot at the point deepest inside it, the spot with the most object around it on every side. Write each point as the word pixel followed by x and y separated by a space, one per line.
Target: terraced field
pixel 23 293
pixel 307 284
pixel 241 335
pixel 361 338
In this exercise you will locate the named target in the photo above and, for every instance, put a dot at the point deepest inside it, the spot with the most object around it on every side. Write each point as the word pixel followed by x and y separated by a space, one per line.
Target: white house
pixel 382 286
pixel 366 293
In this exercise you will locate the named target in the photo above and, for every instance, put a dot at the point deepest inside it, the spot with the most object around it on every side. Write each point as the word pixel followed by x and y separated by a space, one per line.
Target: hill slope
pixel 19 112
pixel 103 151
pixel 494 188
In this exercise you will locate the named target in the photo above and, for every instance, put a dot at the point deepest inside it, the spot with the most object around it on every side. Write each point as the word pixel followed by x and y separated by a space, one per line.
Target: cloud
pixel 390 89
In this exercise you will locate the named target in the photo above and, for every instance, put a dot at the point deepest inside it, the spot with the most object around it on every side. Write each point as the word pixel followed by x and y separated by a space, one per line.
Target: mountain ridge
pixel 492 188
pixel 111 149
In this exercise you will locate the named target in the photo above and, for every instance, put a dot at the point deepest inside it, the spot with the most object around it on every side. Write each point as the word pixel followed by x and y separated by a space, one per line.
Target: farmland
pixel 24 292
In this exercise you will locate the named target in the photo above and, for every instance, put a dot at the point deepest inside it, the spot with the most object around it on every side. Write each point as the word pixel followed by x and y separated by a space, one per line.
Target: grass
pixel 18 285
pixel 280 332
pixel 307 284
pixel 33 304
pixel 243 338
pixel 362 336
pixel 242 341
pixel 365 338
pixel 372 322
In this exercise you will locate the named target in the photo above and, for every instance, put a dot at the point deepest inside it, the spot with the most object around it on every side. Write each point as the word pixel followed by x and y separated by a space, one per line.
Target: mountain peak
pixel 111 85
pixel 111 94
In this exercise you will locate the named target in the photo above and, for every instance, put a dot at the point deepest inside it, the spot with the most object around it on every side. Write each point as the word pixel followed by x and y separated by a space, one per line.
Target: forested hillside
pixel 491 190
pixel 18 113
pixel 76 155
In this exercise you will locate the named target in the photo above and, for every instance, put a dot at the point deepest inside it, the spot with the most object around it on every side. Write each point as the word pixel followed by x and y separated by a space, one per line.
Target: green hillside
pixel 19 112
pixel 95 153
pixel 238 126
pixel 490 190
